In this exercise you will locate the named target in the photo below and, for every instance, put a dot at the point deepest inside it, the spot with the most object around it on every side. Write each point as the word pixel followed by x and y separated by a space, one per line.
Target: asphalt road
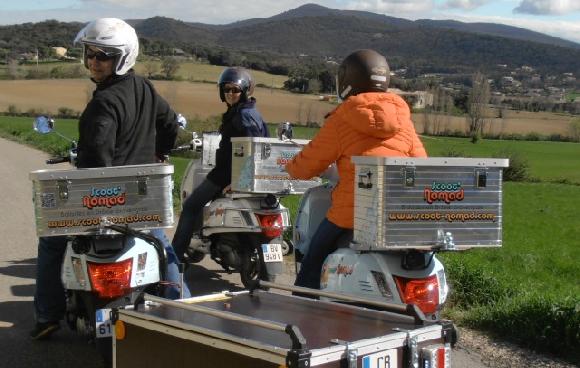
pixel 17 276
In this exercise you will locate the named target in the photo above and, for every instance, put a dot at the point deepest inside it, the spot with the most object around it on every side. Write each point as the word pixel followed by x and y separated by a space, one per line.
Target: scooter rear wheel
pixel 253 266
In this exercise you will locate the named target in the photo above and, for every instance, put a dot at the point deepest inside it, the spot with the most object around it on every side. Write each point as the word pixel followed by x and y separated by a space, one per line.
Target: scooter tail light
pixel 424 293
pixel 111 280
pixel 271 224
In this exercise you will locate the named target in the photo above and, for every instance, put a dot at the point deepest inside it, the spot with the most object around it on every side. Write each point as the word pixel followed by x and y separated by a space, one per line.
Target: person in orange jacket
pixel 369 122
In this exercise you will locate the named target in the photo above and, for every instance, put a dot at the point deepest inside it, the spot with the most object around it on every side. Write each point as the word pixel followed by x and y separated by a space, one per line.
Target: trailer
pixel 262 328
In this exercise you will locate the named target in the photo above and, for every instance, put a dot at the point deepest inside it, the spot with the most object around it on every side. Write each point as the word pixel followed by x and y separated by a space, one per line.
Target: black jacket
pixel 125 123
pixel 240 120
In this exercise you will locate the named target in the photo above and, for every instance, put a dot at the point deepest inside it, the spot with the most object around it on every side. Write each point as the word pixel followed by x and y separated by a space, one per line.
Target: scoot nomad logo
pixel 105 197
pixel 284 158
pixel 445 192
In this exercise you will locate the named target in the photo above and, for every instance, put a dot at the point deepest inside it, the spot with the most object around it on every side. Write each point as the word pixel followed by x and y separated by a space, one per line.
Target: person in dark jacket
pixel 125 123
pixel 241 119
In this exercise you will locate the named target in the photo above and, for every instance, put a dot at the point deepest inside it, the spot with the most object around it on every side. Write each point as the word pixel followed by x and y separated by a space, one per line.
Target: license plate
pixel 272 252
pixel 383 359
pixel 104 327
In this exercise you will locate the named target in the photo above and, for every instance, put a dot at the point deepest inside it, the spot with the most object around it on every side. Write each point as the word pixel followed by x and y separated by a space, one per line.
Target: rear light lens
pixel 111 280
pixel 424 293
pixel 271 224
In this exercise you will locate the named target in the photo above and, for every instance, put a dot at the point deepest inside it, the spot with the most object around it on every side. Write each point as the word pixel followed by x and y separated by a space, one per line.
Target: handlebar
pixel 57 160
pixel 185 147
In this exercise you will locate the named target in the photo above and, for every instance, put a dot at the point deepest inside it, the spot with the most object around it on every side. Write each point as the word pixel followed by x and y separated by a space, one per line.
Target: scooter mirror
pixel 181 121
pixel 284 131
pixel 43 124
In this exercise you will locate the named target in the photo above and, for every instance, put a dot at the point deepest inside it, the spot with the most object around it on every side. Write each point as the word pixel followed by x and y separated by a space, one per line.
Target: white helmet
pixel 113 36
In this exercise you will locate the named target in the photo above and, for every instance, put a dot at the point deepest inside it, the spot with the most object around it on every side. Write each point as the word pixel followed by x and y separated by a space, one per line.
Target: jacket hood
pixel 377 114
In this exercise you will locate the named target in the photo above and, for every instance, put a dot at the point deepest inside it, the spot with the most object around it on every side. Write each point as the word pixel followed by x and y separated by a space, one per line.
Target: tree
pixel 476 103
pixel 169 67
pixel 150 68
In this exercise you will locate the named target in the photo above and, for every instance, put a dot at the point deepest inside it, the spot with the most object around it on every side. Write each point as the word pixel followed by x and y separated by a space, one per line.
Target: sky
pixel 560 18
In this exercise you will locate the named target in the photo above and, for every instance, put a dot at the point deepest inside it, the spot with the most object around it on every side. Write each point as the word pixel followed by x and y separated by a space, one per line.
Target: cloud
pixel 568 30
pixel 465 4
pixel 393 7
pixel 548 7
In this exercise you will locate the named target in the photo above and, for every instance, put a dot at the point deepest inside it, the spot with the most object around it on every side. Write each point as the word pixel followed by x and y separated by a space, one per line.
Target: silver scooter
pixel 401 276
pixel 242 232
pixel 107 263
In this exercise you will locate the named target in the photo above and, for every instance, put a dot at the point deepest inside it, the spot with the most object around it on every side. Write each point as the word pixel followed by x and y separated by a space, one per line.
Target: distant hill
pixel 272 44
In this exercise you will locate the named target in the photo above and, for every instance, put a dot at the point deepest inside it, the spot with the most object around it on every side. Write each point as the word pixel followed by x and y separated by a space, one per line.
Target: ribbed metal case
pixel 258 166
pixel 427 203
pixel 74 202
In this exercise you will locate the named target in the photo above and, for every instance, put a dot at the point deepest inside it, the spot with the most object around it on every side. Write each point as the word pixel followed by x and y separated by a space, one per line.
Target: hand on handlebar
pixel 227 189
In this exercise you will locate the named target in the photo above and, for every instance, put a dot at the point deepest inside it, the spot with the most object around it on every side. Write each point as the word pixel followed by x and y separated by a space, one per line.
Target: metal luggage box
pixel 73 202
pixel 258 166
pixel 333 334
pixel 427 203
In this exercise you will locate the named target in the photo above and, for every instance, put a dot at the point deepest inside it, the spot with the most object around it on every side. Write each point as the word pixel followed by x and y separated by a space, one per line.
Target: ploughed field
pixel 201 100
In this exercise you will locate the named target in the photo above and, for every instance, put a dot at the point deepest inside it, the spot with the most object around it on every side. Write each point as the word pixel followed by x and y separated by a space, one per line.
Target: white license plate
pixel 272 252
pixel 383 359
pixel 103 327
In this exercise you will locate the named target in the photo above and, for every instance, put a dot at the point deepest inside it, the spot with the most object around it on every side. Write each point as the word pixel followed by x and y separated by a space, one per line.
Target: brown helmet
pixel 363 71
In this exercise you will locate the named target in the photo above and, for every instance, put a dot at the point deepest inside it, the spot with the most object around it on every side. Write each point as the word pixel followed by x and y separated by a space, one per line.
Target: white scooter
pixel 242 232
pixel 104 269
pixel 404 277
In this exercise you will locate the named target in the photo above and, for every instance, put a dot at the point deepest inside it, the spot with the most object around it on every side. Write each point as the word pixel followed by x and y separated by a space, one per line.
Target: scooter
pixel 106 268
pixel 242 232
pixel 403 277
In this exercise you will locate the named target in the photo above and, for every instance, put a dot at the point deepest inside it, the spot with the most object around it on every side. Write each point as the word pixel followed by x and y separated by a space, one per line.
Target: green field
pixel 527 291
pixel 188 70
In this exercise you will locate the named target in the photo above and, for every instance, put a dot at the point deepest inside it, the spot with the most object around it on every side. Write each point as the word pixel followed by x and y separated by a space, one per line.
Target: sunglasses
pixel 99 55
pixel 234 90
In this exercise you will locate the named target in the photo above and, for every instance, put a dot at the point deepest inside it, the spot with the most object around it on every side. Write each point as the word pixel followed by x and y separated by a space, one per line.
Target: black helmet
pixel 363 71
pixel 238 76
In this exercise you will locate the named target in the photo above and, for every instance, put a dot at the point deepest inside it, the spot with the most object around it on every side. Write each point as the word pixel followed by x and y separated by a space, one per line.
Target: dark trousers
pixel 322 244
pixel 191 218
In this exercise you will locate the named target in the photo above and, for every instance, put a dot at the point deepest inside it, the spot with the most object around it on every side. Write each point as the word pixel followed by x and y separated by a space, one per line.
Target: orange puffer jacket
pixel 368 124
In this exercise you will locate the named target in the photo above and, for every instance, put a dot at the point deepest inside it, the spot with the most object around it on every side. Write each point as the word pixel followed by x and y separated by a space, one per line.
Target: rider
pixel 125 123
pixel 369 122
pixel 241 119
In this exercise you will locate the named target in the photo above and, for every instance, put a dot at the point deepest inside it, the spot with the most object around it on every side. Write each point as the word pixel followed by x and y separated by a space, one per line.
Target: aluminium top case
pixel 427 203
pixel 258 166
pixel 76 201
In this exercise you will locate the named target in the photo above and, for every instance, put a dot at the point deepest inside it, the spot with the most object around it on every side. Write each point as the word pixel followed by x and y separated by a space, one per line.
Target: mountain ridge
pixel 275 43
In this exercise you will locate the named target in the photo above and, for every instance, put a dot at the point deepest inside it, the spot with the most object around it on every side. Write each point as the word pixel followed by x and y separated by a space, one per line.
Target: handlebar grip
pixel 57 160
pixel 186 147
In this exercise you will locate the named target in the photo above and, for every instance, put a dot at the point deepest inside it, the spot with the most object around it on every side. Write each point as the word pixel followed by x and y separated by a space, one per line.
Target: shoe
pixel 43 330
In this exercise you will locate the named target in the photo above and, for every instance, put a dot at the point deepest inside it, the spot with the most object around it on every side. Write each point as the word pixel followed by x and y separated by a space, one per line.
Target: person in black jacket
pixel 125 123
pixel 241 119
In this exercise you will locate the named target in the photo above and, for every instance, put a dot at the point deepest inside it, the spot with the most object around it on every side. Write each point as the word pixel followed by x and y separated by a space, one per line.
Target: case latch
pixel 266 150
pixel 445 240
pixel 480 178
pixel 409 177
pixel 238 151
pixel 142 185
pixel 63 186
